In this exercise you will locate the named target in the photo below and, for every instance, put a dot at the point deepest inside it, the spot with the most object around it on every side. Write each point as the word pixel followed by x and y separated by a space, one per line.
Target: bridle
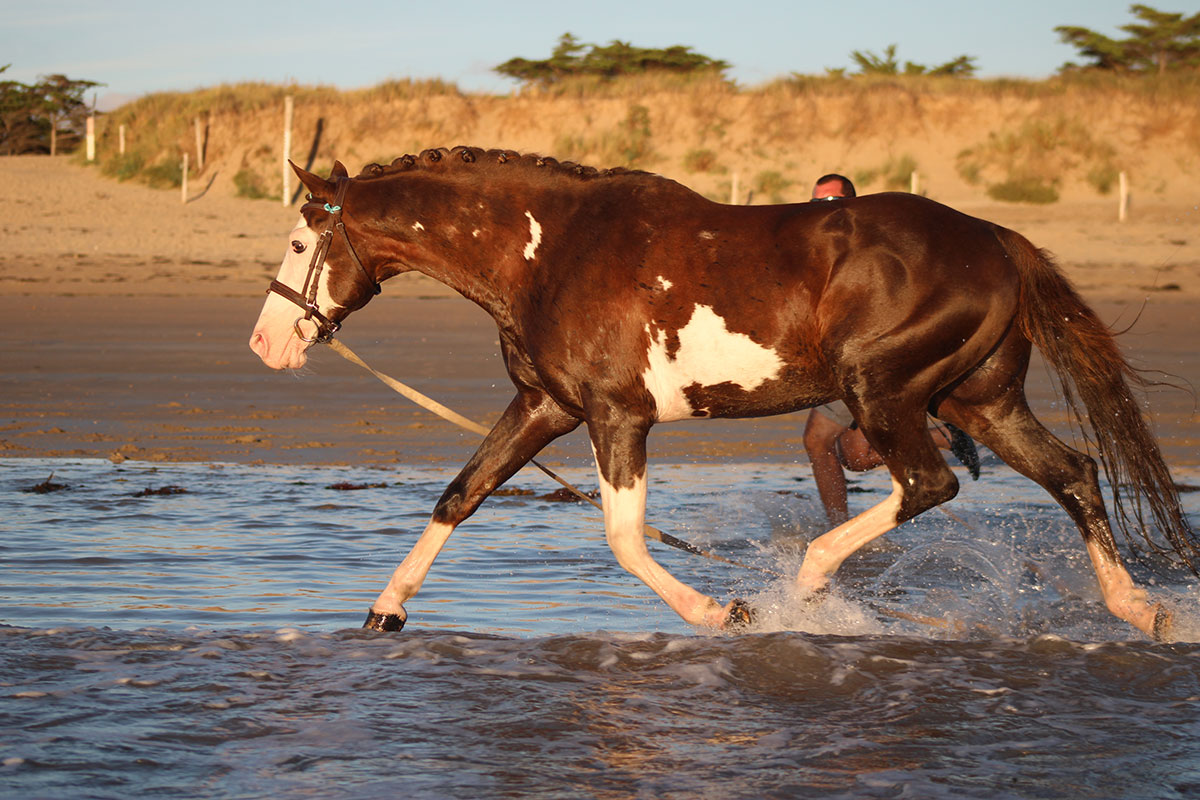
pixel 307 297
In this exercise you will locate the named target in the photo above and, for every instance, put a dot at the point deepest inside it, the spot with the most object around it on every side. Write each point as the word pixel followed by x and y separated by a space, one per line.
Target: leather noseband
pixel 307 297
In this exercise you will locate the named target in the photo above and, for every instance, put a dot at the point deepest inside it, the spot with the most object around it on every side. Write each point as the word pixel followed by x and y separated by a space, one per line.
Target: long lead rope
pixel 429 404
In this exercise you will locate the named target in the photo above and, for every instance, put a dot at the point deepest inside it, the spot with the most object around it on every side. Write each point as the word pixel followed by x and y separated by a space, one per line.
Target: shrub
pixel 897 173
pixel 772 184
pixel 633 145
pixel 969 170
pixel 864 177
pixel 249 185
pixel 164 175
pixel 1023 190
pixel 1102 177
pixel 700 161
pixel 123 167
pixel 1057 145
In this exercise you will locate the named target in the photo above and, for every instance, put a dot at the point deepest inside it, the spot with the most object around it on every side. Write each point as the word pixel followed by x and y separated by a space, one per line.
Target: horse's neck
pixel 480 240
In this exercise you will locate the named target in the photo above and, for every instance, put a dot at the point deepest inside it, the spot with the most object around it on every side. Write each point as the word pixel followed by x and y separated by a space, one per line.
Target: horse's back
pixel 917 292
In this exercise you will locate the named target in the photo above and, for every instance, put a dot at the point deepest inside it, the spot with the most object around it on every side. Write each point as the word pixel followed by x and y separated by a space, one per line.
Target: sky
pixel 136 47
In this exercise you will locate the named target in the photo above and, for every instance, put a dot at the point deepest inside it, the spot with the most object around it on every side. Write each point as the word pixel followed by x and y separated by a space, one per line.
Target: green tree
pixel 572 57
pixel 33 116
pixel 18 128
pixel 1158 41
pixel 870 63
pixel 61 103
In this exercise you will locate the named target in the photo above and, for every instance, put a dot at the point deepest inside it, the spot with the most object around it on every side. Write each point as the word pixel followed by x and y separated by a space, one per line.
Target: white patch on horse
pixel 709 354
pixel 535 237
pixel 274 337
pixel 624 515
pixel 707 235
pixel 664 283
pixel 417 226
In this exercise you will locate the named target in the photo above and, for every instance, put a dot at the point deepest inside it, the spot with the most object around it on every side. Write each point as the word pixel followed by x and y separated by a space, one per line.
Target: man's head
pixel 832 187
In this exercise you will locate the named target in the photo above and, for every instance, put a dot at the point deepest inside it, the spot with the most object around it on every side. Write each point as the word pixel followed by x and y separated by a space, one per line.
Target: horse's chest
pixel 704 359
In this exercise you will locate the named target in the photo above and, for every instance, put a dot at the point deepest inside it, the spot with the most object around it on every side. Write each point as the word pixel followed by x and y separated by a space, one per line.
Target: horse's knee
pixel 459 501
pixel 925 491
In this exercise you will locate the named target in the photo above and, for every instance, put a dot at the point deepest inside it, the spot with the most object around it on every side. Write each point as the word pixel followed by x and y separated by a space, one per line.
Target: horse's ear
pixel 318 186
pixel 339 171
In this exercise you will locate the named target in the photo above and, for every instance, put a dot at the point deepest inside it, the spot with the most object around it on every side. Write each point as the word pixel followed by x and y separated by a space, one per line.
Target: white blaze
pixel 274 337
pixel 709 354
pixel 535 237
pixel 664 283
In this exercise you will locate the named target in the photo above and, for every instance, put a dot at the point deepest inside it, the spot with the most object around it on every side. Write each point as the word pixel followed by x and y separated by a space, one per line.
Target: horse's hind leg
pixel 1008 427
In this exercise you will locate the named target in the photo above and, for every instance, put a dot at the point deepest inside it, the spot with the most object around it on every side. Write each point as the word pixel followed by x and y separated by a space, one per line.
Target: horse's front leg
pixel 531 421
pixel 620 450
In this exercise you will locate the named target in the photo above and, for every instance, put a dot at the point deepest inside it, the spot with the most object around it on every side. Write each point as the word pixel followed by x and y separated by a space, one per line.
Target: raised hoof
pixel 740 616
pixel 385 623
pixel 1163 622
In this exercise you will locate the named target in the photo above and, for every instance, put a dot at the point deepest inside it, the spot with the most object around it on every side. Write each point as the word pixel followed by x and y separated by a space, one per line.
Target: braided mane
pixel 464 157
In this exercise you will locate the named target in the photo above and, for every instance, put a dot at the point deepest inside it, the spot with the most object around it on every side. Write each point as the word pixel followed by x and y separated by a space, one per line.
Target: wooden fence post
pixel 1123 202
pixel 121 139
pixel 199 146
pixel 914 183
pixel 91 137
pixel 288 106
pixel 183 182
pixel 733 190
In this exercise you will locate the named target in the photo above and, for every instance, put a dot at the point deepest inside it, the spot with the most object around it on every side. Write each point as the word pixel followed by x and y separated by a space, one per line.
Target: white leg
pixel 1123 597
pixel 827 552
pixel 624 516
pixel 407 579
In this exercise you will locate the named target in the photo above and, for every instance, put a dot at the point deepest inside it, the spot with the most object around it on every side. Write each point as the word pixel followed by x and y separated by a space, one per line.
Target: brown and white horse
pixel 624 299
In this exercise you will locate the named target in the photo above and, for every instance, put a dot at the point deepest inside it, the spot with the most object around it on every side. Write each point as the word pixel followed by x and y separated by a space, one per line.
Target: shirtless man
pixel 831 436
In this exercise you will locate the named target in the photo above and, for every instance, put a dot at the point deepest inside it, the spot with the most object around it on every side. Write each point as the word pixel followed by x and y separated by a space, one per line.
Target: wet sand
pixel 127 314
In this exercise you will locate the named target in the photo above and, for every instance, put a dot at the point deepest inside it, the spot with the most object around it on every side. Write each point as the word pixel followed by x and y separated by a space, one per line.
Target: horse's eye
pixel 297 246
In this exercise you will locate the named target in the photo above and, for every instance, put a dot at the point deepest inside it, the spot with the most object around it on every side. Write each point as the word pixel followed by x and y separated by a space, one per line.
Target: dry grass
pixel 964 136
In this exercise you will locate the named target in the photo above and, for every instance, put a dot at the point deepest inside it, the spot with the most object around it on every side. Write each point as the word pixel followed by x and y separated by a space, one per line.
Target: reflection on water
pixel 205 644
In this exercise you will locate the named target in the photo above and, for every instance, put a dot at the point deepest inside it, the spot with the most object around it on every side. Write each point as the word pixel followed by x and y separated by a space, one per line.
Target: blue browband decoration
pixel 332 209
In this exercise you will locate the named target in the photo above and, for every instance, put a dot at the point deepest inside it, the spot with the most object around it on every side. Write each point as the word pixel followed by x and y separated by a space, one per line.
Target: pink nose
pixel 258 343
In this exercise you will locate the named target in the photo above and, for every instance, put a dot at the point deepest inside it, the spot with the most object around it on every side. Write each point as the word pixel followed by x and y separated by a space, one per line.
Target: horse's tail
pixel 1084 354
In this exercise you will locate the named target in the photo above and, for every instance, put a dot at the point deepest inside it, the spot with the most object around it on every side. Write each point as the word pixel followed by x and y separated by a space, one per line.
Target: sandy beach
pixel 127 314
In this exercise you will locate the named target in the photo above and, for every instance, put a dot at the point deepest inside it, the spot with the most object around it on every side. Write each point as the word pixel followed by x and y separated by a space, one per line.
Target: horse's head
pixel 320 281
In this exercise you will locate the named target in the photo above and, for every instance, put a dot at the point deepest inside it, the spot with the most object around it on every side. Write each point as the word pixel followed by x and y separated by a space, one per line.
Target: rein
pixel 429 404
pixel 306 298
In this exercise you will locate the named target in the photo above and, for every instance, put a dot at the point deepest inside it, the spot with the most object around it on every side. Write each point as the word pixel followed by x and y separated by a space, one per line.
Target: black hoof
pixel 1163 622
pixel 384 623
pixel 740 616
pixel 817 596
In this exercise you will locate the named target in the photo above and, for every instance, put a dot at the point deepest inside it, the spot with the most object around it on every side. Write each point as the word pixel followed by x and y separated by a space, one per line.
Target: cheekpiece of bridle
pixel 306 298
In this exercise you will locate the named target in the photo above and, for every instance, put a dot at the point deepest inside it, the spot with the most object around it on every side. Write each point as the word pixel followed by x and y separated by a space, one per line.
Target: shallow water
pixel 205 644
